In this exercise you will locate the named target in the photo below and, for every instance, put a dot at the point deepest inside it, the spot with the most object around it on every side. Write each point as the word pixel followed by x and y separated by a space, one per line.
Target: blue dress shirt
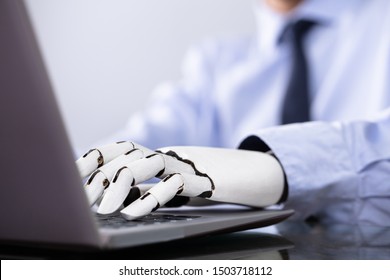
pixel 338 165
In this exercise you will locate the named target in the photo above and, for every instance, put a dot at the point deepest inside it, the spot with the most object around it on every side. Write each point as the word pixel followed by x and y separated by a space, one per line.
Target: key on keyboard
pixel 117 221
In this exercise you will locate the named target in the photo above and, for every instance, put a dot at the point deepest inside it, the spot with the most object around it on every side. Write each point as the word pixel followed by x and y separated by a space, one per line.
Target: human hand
pixel 224 175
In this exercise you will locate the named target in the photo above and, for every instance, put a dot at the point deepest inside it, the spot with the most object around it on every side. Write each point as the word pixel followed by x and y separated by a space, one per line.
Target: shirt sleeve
pixel 338 171
pixel 177 113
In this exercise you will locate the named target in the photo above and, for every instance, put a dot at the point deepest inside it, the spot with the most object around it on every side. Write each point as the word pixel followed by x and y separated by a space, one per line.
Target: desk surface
pixel 317 241
pixel 288 240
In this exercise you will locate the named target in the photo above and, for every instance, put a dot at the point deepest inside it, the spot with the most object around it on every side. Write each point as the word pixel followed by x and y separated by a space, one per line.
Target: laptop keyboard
pixel 117 221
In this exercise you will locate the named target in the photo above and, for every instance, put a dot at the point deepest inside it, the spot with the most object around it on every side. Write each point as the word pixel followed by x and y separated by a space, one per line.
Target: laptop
pixel 42 201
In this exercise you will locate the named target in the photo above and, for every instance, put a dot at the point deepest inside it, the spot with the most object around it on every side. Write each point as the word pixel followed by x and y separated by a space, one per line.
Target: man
pixel 311 88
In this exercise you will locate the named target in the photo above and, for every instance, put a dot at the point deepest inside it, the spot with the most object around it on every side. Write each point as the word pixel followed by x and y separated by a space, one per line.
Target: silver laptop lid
pixel 41 198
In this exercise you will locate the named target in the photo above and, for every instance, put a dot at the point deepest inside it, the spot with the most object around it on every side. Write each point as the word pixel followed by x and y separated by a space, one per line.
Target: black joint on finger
pixel 133 182
pixel 106 183
pixel 133 195
pixel 206 194
pixel 87 153
pixel 120 142
pixel 180 190
pixel 150 156
pixel 160 173
pixel 117 174
pixel 92 176
pixel 156 207
pixel 169 177
pixel 145 196
pixel 129 152
pixel 100 159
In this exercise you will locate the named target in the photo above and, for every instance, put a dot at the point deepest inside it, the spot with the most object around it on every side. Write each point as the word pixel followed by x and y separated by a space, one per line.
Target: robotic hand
pixel 224 175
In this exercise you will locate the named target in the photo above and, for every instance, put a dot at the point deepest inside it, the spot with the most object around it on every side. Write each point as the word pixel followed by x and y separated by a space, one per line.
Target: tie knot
pixel 296 30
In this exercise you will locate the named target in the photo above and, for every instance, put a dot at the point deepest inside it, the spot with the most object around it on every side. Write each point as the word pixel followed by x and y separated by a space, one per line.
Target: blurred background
pixel 105 57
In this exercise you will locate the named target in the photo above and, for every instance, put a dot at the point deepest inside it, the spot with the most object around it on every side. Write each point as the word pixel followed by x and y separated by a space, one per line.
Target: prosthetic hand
pixel 225 175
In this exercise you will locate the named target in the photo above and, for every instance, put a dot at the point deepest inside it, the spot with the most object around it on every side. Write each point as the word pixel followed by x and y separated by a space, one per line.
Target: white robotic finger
pixel 96 158
pixel 100 179
pixel 147 168
pixel 117 192
pixel 157 196
pixel 126 177
pixel 113 166
pixel 95 190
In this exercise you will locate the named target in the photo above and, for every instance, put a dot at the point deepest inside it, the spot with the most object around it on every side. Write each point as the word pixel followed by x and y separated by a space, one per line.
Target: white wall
pixel 105 56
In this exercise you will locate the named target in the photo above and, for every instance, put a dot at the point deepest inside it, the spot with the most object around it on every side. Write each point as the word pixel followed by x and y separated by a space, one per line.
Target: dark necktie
pixel 296 104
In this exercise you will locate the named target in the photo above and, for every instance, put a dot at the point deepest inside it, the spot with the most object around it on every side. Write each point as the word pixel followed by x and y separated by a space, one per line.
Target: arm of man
pixel 337 171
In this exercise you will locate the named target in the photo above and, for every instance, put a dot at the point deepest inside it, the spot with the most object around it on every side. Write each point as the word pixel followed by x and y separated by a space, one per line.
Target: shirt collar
pixel 271 23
